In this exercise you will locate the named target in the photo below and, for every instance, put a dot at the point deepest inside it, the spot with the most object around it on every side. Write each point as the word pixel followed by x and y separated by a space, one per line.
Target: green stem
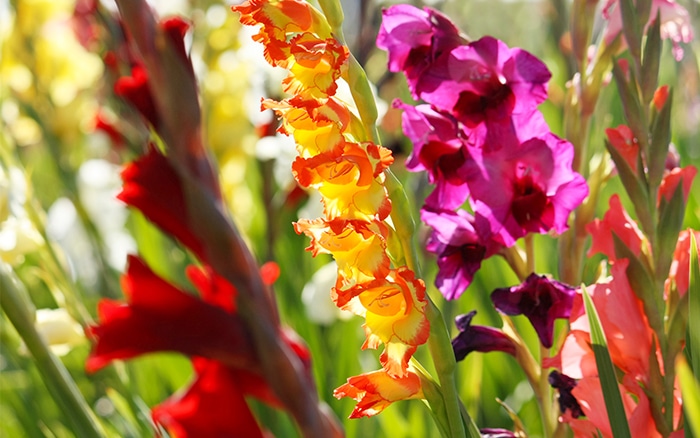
pixel 57 379
pixel 549 421
pixel 530 253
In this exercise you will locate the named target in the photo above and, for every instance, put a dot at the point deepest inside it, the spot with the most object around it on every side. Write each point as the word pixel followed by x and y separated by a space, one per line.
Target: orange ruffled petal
pixel 376 390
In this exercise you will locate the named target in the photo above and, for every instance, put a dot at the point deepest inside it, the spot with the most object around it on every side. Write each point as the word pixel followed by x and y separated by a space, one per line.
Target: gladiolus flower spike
pixel 348 171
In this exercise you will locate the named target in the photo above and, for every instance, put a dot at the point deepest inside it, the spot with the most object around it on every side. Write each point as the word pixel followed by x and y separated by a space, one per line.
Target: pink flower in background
pixel 675 23
pixel 530 188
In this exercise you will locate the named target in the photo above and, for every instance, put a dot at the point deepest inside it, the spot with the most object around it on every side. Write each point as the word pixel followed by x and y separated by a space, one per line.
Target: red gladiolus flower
pixel 214 405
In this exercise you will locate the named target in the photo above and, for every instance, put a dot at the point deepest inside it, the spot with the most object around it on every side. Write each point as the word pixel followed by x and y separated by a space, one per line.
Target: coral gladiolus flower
pixel 376 390
pixel 617 221
pixel 623 140
pixel 678 176
pixel 540 299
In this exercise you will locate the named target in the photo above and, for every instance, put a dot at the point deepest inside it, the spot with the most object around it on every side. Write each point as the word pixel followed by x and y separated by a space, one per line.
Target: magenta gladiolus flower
pixel 439 149
pixel 529 188
pixel 459 246
pixel 415 38
pixel 479 338
pixel 540 299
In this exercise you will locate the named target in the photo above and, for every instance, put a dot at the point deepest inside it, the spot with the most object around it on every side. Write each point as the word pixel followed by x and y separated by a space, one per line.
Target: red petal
pixel 214 406
pixel 152 186
pixel 160 317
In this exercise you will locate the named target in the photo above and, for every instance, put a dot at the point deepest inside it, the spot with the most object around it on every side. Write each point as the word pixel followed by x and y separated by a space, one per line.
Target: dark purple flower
pixel 459 246
pixel 564 384
pixel 529 188
pixel 490 432
pixel 414 38
pixel 540 299
pixel 478 338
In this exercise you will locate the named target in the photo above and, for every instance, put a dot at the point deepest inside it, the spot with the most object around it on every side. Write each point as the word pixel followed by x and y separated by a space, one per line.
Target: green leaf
pixel 608 381
pixel 690 389
pixel 650 62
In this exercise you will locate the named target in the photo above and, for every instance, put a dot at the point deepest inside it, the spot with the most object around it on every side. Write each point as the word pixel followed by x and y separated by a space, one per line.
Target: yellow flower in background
pixel 44 67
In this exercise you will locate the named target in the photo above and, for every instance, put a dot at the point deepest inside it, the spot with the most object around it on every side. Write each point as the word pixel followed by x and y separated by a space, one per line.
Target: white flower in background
pixel 280 148
pixel 98 184
pixel 313 208
pixel 59 330
pixel 18 235
pixel 316 297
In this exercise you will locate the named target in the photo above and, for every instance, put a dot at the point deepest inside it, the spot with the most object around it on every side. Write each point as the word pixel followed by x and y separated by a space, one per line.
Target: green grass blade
pixel 608 381
pixel 691 397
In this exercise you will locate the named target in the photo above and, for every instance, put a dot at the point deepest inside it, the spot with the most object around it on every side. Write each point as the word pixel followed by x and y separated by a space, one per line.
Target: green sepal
pixel 660 140
pixel 631 105
pixel 635 187
pixel 655 390
pixel 643 8
pixel 642 283
pixel 582 18
pixel 631 27
pixel 671 216
pixel 606 372
pixel 651 60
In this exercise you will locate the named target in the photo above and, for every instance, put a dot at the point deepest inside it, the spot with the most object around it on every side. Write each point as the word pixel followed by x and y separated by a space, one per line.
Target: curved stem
pixel 57 379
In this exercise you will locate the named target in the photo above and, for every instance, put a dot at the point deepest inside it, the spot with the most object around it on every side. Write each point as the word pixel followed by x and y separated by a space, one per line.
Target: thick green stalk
pixel 57 379
pixel 439 341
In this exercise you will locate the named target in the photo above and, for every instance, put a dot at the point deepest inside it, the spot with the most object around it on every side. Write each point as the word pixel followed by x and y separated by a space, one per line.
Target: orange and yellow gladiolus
pixel 336 159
